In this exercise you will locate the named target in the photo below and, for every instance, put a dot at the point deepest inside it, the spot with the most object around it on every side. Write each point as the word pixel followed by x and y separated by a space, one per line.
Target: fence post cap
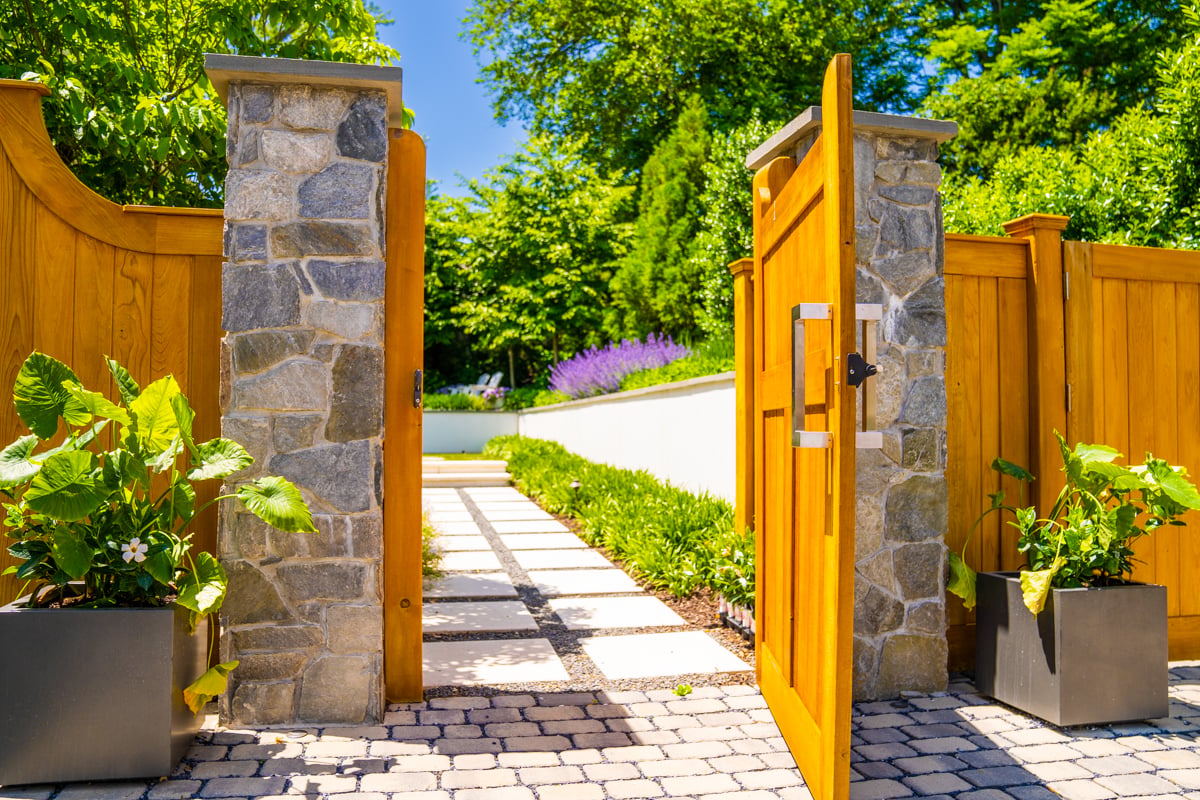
pixel 1026 225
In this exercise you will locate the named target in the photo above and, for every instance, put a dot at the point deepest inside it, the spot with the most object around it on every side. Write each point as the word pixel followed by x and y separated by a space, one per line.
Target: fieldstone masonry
pixel 303 289
pixel 902 497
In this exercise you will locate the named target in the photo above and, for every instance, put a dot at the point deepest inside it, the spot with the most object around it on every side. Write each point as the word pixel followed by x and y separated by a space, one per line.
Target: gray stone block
pixel 263 703
pixel 906 272
pixel 868 288
pixel 363 133
pixel 296 385
pixel 924 173
pixel 921 449
pixel 340 191
pixel 919 570
pixel 877 612
pixel 921 320
pixel 925 402
pixel 366 535
pixel 906 194
pixel 362 281
pixel 294 152
pixel 925 362
pixel 257 102
pixel 247 149
pixel 906 149
pixel 902 228
pixel 304 581
pixel 336 689
pixel 296 431
pixel 312 107
pixel 926 618
pixel 278 637
pixel 263 296
pixel 349 321
pixel 355 629
pixel 913 664
pixel 258 194
pixel 252 433
pixel 245 242
pixel 269 666
pixel 917 510
pixel 356 411
pixel 340 474
pixel 320 238
pixel 261 350
pixel 251 598
pixel 866 667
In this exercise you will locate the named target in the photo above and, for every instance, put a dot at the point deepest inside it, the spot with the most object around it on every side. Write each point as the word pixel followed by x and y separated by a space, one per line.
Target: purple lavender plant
pixel 600 370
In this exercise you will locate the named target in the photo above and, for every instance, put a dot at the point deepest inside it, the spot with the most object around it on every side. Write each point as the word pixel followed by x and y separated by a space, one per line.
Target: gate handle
pixel 417 388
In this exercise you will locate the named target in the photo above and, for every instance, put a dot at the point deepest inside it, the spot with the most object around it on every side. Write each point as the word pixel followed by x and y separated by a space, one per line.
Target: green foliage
pixel 431 554
pixel 621 72
pixel 1045 73
pixel 1135 183
pixel 522 264
pixel 531 397
pixel 457 401
pixel 710 358
pixel 1086 538
pixel 670 538
pixel 94 524
pixel 726 229
pixel 131 111
pixel 655 283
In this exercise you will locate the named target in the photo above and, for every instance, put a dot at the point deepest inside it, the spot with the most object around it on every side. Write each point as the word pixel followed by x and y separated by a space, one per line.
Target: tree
pixel 655 285
pixel 1049 73
pixel 620 71
pixel 534 242
pixel 1134 183
pixel 131 111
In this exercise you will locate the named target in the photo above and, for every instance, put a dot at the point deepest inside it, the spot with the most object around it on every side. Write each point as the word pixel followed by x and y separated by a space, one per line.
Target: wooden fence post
pixel 1047 348
pixel 743 359
pixel 1081 342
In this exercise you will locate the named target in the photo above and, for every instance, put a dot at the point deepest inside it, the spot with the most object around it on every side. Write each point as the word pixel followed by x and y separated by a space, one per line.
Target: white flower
pixel 135 551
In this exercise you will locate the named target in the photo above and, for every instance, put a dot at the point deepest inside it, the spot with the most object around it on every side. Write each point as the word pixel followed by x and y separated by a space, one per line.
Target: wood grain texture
pixel 743 359
pixel 403 355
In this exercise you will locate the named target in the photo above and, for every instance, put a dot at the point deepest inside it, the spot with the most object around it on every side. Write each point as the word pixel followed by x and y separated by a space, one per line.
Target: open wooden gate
pixel 804 441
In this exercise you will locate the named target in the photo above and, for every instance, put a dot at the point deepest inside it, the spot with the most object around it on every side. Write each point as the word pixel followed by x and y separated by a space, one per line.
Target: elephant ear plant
pixel 99 527
pixel 1087 537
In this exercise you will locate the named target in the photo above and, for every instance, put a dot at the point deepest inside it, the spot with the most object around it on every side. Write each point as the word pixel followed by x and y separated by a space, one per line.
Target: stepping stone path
pixel 578 622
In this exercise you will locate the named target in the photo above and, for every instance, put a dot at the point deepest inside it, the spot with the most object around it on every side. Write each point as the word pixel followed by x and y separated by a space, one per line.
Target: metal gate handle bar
pixel 867 313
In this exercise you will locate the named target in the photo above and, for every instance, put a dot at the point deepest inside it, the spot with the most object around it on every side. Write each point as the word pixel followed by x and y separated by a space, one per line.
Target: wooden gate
pixel 804 327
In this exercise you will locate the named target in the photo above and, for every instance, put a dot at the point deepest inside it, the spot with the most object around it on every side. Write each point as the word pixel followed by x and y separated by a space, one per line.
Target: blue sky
pixel 453 113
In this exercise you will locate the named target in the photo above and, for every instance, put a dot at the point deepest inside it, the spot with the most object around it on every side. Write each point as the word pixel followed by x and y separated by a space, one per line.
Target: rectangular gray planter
pixel 1092 656
pixel 96 694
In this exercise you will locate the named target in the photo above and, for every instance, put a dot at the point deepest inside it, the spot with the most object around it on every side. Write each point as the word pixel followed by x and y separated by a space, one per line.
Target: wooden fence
pixel 81 278
pixel 1097 341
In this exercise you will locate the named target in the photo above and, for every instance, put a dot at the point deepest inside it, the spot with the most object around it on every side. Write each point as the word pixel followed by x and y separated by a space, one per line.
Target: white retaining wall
pixel 463 431
pixel 681 432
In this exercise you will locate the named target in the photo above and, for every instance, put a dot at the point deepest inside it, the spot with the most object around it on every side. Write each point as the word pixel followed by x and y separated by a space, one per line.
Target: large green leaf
pixel 1011 469
pixel 126 385
pixel 208 686
pixel 962 581
pixel 278 503
pixel 203 590
pixel 1180 489
pixel 96 404
pixel 1091 454
pixel 183 502
pixel 15 464
pixel 184 416
pixel 219 458
pixel 1035 588
pixel 65 487
pixel 123 468
pixel 40 397
pixel 72 554
pixel 157 426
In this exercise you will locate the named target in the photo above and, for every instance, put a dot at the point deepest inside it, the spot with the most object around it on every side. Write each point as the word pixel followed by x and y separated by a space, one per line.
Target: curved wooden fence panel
pixel 82 278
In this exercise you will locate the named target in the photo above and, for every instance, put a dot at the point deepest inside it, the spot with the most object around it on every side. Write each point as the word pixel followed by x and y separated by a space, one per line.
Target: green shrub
pixel 431 556
pixel 671 538
pixel 531 397
pixel 711 358
pixel 455 402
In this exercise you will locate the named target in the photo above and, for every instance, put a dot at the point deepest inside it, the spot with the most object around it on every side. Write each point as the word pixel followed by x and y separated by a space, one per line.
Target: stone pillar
pixel 902 499
pixel 302 382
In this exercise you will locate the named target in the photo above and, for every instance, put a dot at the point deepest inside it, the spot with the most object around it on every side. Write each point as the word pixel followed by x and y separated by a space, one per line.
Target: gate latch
pixel 858 370
pixel 418 388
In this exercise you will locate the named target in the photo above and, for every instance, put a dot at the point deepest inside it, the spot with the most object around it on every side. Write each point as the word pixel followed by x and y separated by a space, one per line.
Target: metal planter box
pixel 1092 656
pixel 95 694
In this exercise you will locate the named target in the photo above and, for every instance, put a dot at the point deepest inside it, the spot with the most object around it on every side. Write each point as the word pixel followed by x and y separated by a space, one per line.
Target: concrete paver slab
pixel 491 662
pixel 453 544
pixel 492 616
pixel 552 583
pixel 457 528
pixel 649 654
pixel 542 541
pixel 488 584
pixel 514 514
pixel 505 503
pixel 531 526
pixel 450 516
pixel 495 493
pixel 560 559
pixel 444 505
pixel 470 562
pixel 429 494
pixel 581 613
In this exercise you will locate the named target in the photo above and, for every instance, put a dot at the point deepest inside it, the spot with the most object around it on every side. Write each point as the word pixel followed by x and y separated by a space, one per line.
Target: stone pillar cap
pixel 810 120
pixel 223 69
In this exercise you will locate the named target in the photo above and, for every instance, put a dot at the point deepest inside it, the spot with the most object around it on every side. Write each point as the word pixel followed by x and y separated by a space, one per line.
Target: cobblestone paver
pixel 718 743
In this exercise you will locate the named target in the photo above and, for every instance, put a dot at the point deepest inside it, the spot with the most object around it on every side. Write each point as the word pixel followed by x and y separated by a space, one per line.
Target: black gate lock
pixel 859 370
